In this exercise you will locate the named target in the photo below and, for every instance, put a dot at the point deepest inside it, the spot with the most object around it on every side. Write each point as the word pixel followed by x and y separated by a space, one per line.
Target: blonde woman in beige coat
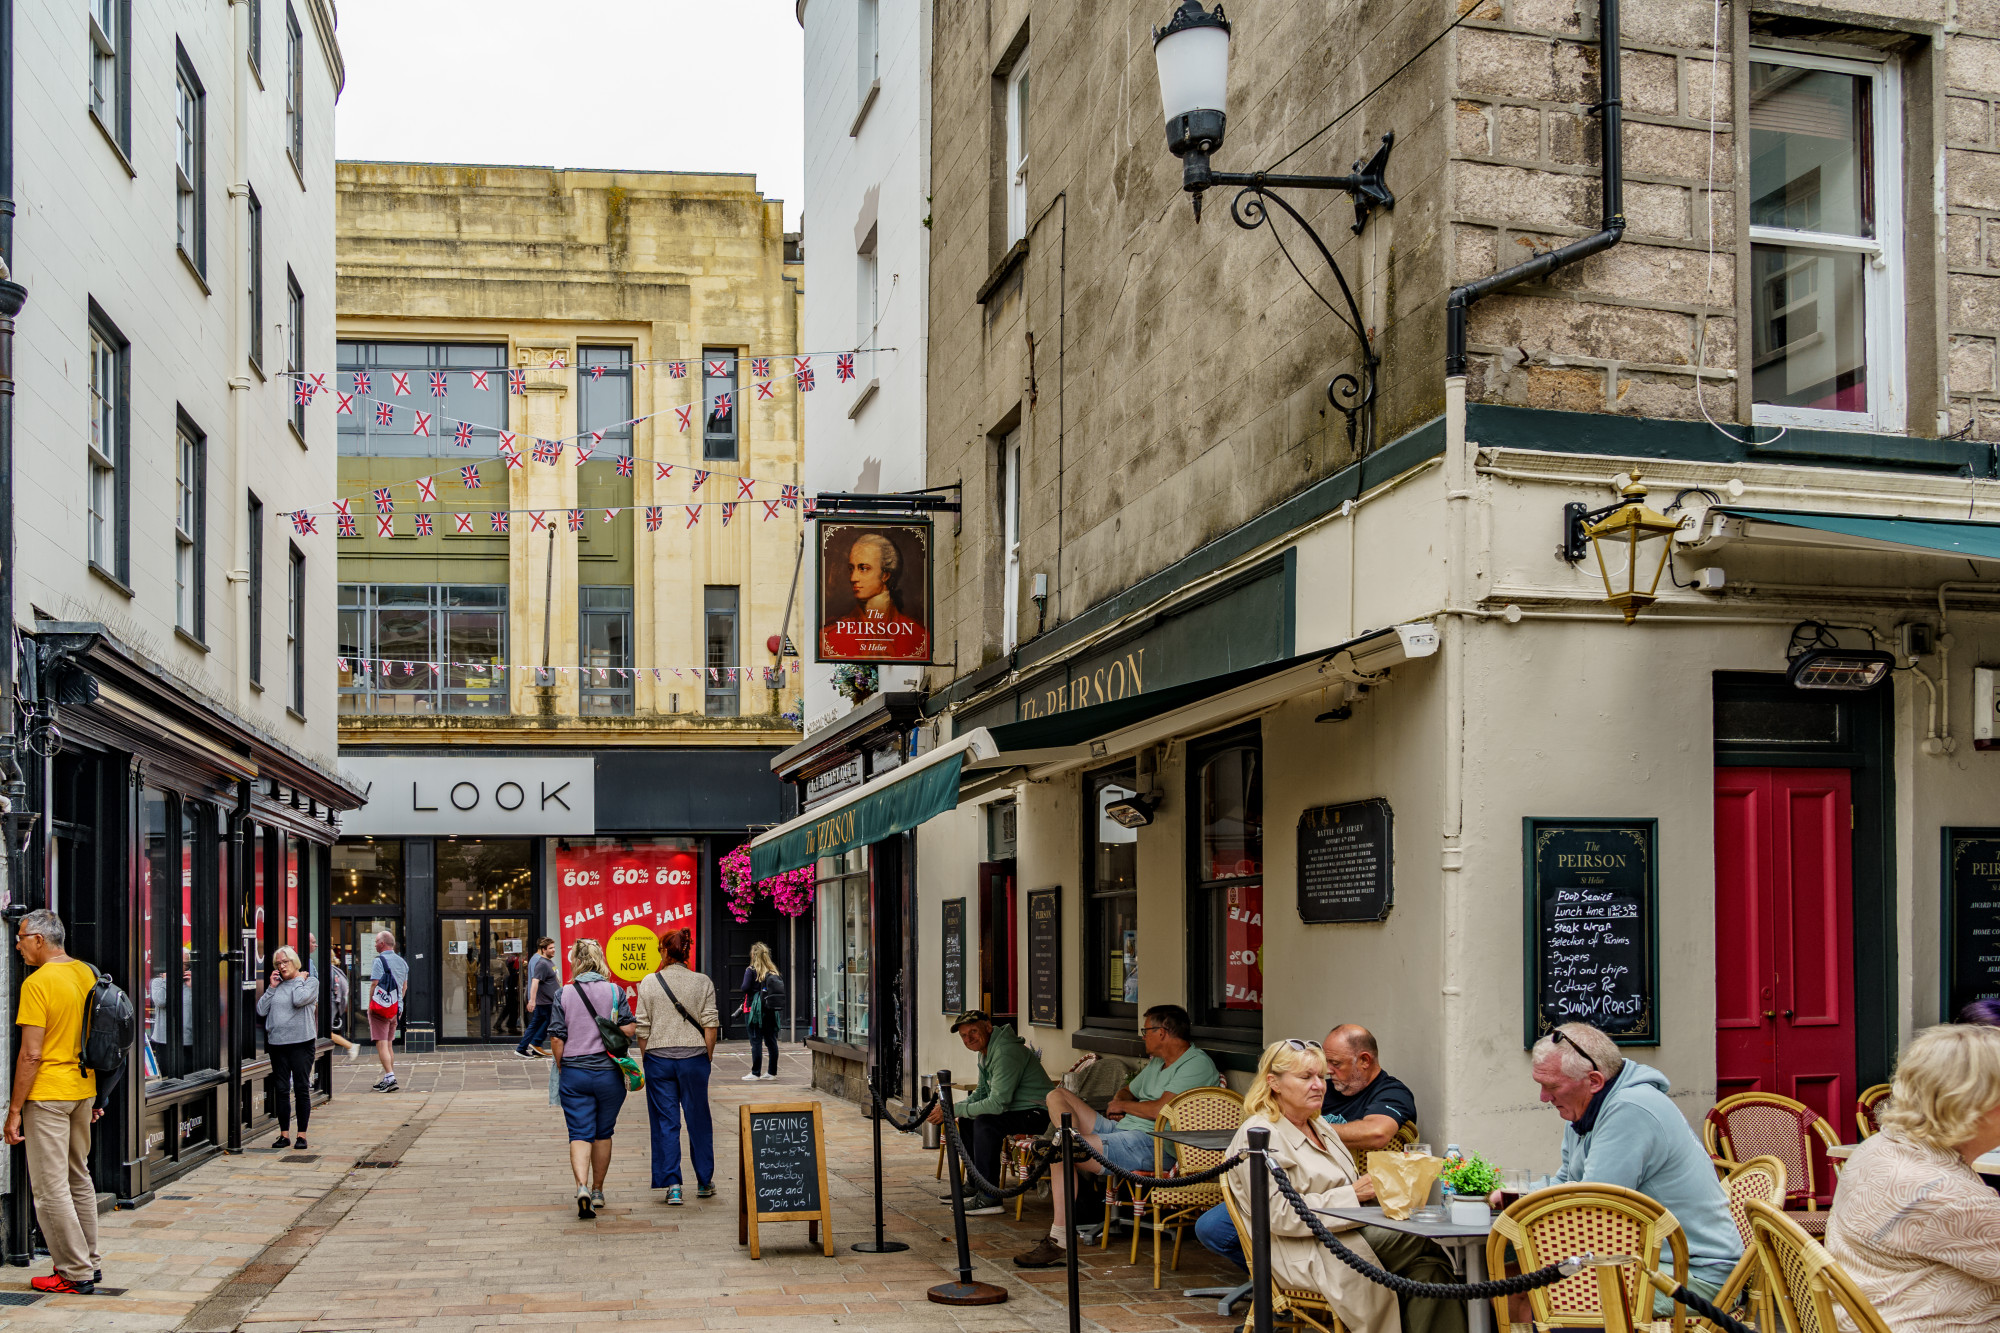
pixel 1285 1098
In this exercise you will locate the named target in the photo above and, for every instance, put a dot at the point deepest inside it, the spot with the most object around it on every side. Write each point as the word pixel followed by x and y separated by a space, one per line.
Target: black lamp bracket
pixel 1577 517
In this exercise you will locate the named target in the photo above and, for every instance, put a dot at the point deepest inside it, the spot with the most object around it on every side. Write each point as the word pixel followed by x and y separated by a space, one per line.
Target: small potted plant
pixel 1470 1179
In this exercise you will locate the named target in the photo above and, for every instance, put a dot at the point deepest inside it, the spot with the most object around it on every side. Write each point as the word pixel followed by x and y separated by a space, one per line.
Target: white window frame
pixel 188 482
pixel 189 149
pixel 1882 276
pixel 104 81
pixel 867 306
pixel 295 91
pixel 1018 89
pixel 101 499
pixel 867 48
pixel 1010 540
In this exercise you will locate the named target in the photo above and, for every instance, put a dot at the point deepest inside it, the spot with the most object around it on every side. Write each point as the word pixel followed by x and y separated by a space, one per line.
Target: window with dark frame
pixel 1111 901
pixel 190 163
pixel 604 636
pixel 256 571
pixel 295 345
pixel 257 35
pixel 190 526
pixel 108 492
pixel 721 695
pixel 181 868
pixel 390 633
pixel 1226 886
pixel 256 280
pixel 295 91
pixel 604 406
pixel 718 377
pixel 111 69
pixel 482 406
pixel 295 632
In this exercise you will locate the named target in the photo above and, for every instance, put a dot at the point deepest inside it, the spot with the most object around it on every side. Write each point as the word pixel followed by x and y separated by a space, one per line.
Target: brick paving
pixel 475 1228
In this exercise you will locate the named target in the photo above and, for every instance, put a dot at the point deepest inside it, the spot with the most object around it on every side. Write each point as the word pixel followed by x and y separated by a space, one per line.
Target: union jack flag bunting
pixel 364 384
pixel 479 380
pixel 542 452
pixel 764 388
pixel 385 526
pixel 801 364
pixel 423 426
pixel 597 437
pixel 423 525
pixel 427 489
pixel 558 360
pixel 694 514
pixel 661 471
pixel 401 382
pixel 304 524
pixel 438 387
pixel 535 518
pixel 654 514
pixel 384 502
pixel 760 367
pixel 788 496
pixel 462 522
pixel 341 662
pixel 318 383
pixel 347 526
pixel 699 478
pixel 744 486
pixel 583 453
pixel 718 369
pixel 576 520
pixel 340 507
pixel 728 512
pixel 346 405
pixel 462 436
pixel 843 365
pixel 808 506
pixel 624 465
pixel 303 394
pixel 770 509
pixel 513 458
pixel 686 414
pixel 499 520
pixel 610 514
pixel 807 381
pixel 677 370
pixel 469 474
pixel 721 406
pixel 597 372
pixel 384 414
pixel 517 382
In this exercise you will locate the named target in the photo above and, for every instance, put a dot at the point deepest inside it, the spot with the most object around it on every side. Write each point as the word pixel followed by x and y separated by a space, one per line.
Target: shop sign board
pixel 784 1173
pixel 438 796
pixel 874 599
pixel 1591 889
pixel 954 956
pixel 1045 957
pixel 1971 917
pixel 1346 862
pixel 623 892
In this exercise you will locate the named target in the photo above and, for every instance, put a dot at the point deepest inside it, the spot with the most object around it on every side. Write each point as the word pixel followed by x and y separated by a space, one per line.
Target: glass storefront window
pixel 367 873
pixel 1227 901
pixel 844 902
pixel 162 937
pixel 484 875
pixel 1112 900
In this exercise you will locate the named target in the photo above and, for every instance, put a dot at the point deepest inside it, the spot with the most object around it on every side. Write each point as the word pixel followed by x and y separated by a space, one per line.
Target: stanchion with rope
pixel 1259 1141
pixel 964 1291
pixel 1068 1139
pixel 881 1244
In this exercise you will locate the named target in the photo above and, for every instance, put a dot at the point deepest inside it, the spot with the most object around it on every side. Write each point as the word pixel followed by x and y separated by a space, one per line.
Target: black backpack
pixel 774 989
pixel 109 1025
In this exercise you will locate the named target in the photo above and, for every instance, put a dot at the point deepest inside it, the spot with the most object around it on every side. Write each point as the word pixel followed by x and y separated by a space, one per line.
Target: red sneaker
pixel 57 1285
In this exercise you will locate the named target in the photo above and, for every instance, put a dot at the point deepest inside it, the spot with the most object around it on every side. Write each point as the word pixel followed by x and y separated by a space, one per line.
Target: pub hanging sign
pixel 1591 932
pixel 875 591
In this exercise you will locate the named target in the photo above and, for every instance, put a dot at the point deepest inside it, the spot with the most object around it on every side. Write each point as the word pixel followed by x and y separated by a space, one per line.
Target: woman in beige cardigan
pixel 1285 1098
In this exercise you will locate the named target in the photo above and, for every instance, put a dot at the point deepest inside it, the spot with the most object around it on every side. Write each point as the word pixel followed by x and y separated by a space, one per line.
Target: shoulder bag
pixel 616 1043
pixel 675 1000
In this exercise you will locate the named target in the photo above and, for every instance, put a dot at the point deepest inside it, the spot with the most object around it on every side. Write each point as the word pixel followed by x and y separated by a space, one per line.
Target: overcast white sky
pixel 655 85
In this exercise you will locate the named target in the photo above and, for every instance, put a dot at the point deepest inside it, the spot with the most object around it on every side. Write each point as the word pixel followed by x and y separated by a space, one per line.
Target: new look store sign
pixel 440 796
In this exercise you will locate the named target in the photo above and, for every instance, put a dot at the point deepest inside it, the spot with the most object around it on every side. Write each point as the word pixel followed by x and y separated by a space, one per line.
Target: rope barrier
pixel 1044 1158
pixel 910 1126
pixel 1700 1306
pixel 1150 1180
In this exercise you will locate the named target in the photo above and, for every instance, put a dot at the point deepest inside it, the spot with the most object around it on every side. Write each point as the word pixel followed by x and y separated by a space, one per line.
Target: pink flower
pixel 791 891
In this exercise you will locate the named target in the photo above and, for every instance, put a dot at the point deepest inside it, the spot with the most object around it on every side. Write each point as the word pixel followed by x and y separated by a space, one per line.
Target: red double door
pixel 1784 936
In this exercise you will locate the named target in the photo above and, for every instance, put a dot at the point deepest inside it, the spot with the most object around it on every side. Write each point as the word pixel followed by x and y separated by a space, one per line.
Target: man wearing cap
pixel 1010 1099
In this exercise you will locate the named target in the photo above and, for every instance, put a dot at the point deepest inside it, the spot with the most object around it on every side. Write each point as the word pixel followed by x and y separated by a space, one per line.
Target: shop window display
pixel 844 903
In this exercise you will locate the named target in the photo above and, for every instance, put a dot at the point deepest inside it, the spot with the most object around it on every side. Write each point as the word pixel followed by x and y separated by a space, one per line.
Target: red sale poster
pixel 623 893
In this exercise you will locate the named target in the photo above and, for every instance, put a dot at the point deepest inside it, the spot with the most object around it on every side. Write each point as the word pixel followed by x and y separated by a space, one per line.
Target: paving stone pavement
pixel 475 1228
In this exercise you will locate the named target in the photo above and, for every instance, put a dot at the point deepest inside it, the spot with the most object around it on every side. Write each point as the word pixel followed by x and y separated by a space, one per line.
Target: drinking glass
pixel 1419 1150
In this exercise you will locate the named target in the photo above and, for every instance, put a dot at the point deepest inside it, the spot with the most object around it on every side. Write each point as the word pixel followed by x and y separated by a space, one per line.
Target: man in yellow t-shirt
pixel 54 1103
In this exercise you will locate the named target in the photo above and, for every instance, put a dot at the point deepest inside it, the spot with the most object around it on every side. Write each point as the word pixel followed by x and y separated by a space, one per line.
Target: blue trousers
pixel 538 1028
pixel 674 1087
pixel 1216 1232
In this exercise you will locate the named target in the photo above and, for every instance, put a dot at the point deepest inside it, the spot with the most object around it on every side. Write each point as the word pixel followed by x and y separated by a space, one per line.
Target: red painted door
pixel 1784 930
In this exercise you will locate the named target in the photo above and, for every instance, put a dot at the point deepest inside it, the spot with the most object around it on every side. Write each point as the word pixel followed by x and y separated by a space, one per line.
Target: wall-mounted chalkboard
pixel 954 956
pixel 784 1172
pixel 1592 906
pixel 1971 917
pixel 1045 957
pixel 1346 864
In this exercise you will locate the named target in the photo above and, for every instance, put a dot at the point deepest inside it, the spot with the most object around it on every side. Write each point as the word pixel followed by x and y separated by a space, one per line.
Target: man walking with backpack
pixel 388 976
pixel 55 1102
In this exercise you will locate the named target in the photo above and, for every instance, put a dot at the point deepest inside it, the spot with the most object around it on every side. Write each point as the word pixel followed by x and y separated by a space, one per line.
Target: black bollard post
pixel 880 1245
pixel 1260 1231
pixel 964 1291
pixel 1067 1140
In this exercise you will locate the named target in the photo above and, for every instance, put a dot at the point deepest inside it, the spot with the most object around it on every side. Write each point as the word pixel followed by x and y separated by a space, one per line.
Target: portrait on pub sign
pixel 874 591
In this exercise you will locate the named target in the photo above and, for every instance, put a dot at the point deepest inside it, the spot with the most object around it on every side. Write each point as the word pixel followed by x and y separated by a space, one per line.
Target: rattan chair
pixel 1805 1282
pixel 1762 1179
pixel 1563 1221
pixel 1763 1124
pixel 1178 1206
pixel 1294 1305
pixel 1868 1110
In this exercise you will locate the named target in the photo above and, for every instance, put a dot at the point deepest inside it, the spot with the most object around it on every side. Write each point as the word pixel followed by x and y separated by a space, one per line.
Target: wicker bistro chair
pixel 1562 1221
pixel 1805 1281
pixel 1178 1206
pixel 1868 1109
pixel 1293 1305
pixel 1762 1179
pixel 1759 1124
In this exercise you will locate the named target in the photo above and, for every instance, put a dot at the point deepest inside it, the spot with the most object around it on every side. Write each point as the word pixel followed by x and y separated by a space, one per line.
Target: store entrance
pixel 354 956
pixel 484 963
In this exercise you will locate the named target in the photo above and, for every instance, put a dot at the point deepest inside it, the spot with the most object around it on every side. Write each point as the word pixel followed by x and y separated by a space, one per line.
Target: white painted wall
pixel 876 167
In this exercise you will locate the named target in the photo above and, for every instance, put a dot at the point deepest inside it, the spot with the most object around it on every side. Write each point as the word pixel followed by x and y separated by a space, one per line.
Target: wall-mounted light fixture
pixel 1818 662
pixel 1133 811
pixel 1645 534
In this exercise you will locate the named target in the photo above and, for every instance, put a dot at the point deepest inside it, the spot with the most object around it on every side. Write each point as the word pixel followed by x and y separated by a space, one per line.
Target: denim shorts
pixel 591 1099
pixel 1127 1149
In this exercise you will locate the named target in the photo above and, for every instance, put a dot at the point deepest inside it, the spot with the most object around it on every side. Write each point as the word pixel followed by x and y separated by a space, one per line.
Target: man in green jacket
pixel 1010 1099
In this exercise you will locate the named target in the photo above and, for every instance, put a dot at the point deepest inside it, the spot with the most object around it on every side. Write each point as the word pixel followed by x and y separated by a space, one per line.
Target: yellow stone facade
pixel 544 263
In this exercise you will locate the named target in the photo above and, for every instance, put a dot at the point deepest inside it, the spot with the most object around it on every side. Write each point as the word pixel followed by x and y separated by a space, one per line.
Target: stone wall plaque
pixel 1346 862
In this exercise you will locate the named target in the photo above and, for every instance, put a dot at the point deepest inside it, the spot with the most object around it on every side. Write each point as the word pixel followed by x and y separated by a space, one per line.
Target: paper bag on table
pixel 1402 1183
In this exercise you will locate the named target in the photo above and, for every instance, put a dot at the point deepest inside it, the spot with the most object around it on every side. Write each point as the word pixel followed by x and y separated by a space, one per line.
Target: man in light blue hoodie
pixel 1625 1130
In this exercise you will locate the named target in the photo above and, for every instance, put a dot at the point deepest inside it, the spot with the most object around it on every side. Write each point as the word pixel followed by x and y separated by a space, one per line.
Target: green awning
pixel 1974 541
pixel 901 803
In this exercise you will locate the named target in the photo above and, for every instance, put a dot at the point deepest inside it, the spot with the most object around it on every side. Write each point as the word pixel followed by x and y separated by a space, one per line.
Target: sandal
pixel 282 1141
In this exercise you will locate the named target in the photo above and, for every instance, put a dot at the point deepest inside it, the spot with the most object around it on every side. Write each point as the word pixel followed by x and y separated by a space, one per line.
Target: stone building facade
pixel 591 322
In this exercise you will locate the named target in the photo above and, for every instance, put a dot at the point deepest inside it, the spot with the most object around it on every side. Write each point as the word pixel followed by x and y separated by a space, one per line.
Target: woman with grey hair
pixel 289 1008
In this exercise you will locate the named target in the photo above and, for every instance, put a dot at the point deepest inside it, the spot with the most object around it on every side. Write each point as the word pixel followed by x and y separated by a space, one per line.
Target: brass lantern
pixel 1634 526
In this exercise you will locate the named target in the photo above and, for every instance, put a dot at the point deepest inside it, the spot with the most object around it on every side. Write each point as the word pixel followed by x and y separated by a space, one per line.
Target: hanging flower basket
pixel 790 892
pixel 855 682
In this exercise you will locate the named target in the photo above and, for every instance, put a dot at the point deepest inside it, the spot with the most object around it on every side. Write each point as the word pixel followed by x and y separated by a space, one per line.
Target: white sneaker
pixel 354 1053
pixel 753 1078
pixel 768 1077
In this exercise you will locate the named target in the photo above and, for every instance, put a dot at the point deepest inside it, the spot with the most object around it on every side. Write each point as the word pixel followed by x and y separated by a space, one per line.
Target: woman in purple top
pixel 591 1087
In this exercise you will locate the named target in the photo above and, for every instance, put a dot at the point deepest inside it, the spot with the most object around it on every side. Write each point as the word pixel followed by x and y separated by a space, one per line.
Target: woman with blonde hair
pixel 763 992
pixel 589 1086
pixel 1285 1097
pixel 289 1007
pixel 1912 1222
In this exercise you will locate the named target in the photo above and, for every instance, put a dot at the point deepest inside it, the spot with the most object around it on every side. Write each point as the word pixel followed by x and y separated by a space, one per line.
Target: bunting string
pixel 417 670
pixel 500 522
pixel 676 367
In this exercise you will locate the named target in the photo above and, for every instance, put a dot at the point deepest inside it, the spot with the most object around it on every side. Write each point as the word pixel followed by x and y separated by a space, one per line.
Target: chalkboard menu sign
pixel 1045 957
pixel 1971 917
pixel 954 956
pixel 1592 891
pixel 784 1172
pixel 1345 862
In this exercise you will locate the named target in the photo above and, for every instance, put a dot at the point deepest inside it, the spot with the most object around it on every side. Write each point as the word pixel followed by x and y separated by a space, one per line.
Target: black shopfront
pixel 181 848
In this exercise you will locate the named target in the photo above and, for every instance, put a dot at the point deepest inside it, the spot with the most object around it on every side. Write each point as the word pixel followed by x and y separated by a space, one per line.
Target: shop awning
pixel 1863 532
pixel 905 797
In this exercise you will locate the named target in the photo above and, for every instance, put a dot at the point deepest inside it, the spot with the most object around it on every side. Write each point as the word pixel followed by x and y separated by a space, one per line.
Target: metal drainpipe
pixel 1612 161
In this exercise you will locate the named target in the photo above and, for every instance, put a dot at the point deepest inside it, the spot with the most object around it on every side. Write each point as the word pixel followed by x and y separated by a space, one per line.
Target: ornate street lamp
pixel 1646 535
pixel 1192 53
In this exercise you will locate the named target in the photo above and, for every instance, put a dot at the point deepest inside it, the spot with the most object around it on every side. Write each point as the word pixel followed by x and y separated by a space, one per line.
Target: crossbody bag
pixel 675 1000
pixel 616 1043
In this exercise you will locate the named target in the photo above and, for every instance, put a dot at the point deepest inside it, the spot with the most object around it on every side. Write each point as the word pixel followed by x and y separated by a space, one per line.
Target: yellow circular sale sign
pixel 632 951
